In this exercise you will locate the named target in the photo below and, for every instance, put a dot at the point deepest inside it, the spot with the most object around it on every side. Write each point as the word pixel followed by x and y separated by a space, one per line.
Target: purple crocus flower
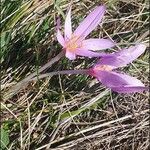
pixel 74 43
pixel 119 82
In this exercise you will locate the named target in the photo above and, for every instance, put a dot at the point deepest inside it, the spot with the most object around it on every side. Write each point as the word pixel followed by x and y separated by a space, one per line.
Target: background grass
pixel 70 112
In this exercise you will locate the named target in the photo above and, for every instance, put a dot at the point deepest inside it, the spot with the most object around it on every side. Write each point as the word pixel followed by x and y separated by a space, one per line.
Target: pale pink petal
pixel 88 53
pixel 58 23
pixel 90 22
pixel 130 89
pixel 117 81
pixel 60 38
pixel 123 57
pixel 68 28
pixel 70 55
pixel 97 44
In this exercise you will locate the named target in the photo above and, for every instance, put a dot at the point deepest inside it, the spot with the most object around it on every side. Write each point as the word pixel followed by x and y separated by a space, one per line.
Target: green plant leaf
pixel 93 101
pixel 18 15
pixel 71 114
pixel 4 139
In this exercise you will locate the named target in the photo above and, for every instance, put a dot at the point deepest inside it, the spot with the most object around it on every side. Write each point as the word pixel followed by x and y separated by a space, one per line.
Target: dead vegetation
pixel 71 112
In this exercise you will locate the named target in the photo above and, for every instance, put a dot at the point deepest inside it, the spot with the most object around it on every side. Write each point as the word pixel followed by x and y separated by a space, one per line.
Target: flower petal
pixel 70 55
pixel 88 53
pixel 90 22
pixel 120 82
pixel 123 57
pixel 97 44
pixel 130 89
pixel 60 38
pixel 68 28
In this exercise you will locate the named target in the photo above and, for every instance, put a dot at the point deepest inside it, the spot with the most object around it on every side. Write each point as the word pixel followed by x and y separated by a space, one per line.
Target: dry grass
pixel 71 112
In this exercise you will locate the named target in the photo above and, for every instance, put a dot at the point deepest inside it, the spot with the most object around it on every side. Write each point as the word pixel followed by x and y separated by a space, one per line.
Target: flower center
pixel 103 68
pixel 73 44
pixel 93 72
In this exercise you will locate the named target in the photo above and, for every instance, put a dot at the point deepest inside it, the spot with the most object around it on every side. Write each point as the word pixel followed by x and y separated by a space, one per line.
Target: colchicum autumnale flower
pixel 119 82
pixel 74 43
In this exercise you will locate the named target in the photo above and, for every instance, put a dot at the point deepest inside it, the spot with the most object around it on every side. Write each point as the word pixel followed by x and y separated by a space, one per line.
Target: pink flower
pixel 119 82
pixel 74 43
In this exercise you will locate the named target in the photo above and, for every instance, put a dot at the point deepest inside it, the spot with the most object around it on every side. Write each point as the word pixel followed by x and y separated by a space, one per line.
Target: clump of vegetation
pixel 73 111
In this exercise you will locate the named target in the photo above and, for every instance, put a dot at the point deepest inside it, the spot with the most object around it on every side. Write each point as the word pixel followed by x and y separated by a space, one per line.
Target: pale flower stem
pixel 47 65
pixel 15 89
pixel 84 71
